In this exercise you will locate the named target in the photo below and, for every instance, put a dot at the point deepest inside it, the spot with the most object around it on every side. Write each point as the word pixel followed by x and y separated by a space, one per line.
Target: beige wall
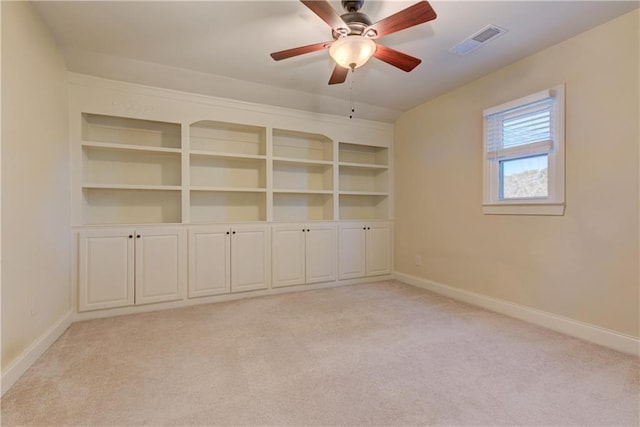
pixel 583 265
pixel 35 181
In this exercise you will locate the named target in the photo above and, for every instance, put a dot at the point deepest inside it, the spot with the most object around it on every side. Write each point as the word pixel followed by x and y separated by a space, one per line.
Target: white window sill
pixel 523 209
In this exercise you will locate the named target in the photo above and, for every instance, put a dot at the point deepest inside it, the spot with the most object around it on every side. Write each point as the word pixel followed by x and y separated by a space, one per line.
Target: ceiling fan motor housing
pixel 352 5
pixel 356 21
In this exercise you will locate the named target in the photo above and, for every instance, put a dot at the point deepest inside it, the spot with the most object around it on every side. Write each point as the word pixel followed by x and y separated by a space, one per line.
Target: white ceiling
pixel 222 48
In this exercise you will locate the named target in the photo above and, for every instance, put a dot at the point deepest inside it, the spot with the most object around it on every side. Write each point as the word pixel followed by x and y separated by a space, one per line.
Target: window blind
pixel 527 129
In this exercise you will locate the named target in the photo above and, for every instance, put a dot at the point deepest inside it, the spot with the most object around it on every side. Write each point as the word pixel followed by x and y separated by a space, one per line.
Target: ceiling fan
pixel 354 34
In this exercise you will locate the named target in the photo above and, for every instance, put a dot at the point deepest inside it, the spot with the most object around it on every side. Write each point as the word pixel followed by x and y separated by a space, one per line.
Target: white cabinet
pixel 250 258
pixel 205 184
pixel 209 261
pixel 303 254
pixel 364 250
pixel 124 266
pixel 378 249
pixel 225 259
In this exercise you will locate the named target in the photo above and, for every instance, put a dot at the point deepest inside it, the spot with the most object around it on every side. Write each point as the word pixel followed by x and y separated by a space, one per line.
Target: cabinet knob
pixel 364 228
pixel 308 230
pixel 227 232
pixel 368 228
pixel 131 236
pixel 138 236
pixel 303 230
pixel 234 232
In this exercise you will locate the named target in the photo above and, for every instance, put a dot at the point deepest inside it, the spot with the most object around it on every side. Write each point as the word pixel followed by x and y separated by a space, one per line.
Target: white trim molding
pixel 585 331
pixel 23 362
pixel 529 127
pixel 516 209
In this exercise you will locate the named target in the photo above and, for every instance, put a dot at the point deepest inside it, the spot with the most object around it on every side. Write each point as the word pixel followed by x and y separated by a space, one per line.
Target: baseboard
pixel 123 311
pixel 27 358
pixel 565 325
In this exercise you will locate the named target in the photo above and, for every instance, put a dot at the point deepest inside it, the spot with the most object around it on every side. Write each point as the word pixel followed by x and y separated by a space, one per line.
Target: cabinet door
pixel 160 265
pixel 209 261
pixel 321 253
pixel 250 258
pixel 351 251
pixel 288 253
pixel 378 249
pixel 106 270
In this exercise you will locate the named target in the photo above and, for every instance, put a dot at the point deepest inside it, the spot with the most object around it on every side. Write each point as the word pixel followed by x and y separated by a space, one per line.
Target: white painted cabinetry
pixel 378 249
pixel 209 261
pixel 364 250
pixel 225 259
pixel 226 196
pixel 250 258
pixel 303 254
pixel 124 266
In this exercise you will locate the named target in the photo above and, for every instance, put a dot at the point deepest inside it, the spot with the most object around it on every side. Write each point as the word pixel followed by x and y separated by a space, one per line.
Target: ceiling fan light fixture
pixel 352 51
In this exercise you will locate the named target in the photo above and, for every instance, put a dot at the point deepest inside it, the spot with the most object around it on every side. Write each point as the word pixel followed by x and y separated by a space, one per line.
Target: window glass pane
pixel 524 178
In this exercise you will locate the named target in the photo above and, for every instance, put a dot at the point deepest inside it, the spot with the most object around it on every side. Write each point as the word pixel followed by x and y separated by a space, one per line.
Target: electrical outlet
pixel 418 260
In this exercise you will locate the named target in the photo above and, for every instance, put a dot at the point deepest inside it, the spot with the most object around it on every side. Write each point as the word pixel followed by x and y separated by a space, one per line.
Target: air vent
pixel 488 33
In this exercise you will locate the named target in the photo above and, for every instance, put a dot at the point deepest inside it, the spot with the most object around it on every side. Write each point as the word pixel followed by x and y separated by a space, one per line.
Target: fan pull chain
pixel 351 103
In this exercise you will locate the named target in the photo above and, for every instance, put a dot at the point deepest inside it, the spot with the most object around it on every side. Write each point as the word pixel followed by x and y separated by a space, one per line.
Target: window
pixel 524 155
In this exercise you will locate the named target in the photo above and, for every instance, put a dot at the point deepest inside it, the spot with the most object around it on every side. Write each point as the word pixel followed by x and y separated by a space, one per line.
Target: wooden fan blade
pixel 284 54
pixel 413 15
pixel 339 75
pixel 323 9
pixel 396 58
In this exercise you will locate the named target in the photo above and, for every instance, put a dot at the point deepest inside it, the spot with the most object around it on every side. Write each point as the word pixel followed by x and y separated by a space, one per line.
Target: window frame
pixel 554 203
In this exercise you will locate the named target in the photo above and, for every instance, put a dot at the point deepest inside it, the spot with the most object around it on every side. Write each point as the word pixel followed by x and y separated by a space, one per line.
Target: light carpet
pixel 380 353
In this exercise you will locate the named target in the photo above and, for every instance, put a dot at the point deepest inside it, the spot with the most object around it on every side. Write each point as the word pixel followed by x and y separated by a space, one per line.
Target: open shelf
pixel 357 179
pixel 211 154
pixel 294 176
pixel 131 167
pixel 229 138
pixel 118 130
pixel 302 207
pixel 131 170
pixel 131 206
pixel 302 145
pixel 133 187
pixel 227 172
pixel 128 147
pixel 227 206
pixel 302 162
pixel 360 206
pixel 132 173
pixel 275 191
pixel 363 154
pixel 230 189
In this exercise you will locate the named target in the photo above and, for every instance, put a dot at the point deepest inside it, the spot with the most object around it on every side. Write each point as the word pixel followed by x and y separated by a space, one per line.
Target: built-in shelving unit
pixel 227 206
pixel 302 176
pixel 179 196
pixel 364 181
pixel 131 170
pixel 228 139
pixel 174 189
pixel 228 169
